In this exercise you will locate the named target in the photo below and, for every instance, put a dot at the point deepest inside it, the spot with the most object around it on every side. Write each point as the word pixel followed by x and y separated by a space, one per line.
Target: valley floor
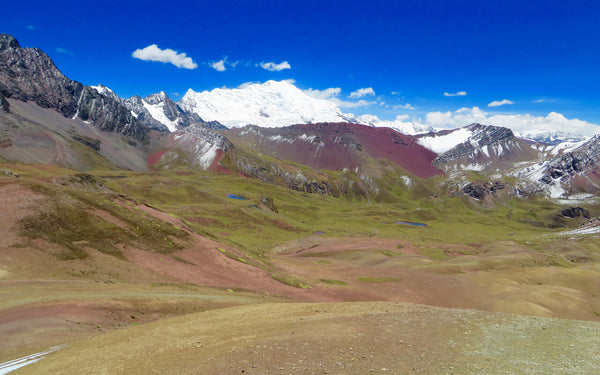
pixel 221 286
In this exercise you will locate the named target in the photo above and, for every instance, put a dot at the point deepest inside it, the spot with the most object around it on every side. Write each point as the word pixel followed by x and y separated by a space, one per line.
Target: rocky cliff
pixel 484 146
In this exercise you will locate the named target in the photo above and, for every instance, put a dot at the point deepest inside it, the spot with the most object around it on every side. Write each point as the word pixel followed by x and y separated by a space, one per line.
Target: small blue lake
pixel 233 196
pixel 411 223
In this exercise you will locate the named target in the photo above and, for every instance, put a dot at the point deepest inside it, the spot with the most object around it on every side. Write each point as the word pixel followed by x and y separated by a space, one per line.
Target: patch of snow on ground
pixel 15 364
pixel 206 154
pixel 593 229
pixel 577 199
pixel 555 190
pixel 473 167
pixel 566 147
pixel 407 181
pixel 307 138
pixel 486 150
pixel 442 143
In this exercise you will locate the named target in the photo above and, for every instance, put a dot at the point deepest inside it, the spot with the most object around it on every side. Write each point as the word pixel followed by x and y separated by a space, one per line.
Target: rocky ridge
pixel 29 75
pixel 484 146
pixel 578 170
pixel 158 111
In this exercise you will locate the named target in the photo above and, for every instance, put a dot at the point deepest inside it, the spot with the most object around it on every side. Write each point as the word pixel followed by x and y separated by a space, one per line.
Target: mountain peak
pixel 156 98
pixel 269 104
pixel 8 42
pixel 102 89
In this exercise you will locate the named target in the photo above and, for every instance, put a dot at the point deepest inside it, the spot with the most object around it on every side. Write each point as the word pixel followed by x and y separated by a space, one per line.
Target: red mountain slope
pixel 336 146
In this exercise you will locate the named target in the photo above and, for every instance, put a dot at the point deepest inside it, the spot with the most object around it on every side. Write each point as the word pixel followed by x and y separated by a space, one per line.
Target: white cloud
pixel 346 104
pixel 153 53
pixel 526 124
pixel 323 94
pixel 539 101
pixel 367 91
pixel 459 93
pixel 332 93
pixel 404 106
pixel 272 67
pixel 497 103
pixel 218 65
pixel 62 50
pixel 246 84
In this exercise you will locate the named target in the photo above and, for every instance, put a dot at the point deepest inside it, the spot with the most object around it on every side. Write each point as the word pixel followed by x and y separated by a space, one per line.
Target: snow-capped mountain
pixel 552 137
pixel 277 104
pixel 156 108
pixel 159 112
pixel 103 90
pixel 150 115
pixel 271 104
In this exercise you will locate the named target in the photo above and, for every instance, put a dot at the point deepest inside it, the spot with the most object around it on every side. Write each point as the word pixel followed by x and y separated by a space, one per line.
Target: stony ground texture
pixel 343 338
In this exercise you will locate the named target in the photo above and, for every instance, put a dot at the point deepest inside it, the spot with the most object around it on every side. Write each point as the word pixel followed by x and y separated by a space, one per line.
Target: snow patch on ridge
pixel 157 111
pixel 443 143
pixel 103 90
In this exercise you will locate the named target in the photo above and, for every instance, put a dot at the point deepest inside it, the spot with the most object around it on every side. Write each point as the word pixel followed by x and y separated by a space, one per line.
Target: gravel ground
pixel 341 338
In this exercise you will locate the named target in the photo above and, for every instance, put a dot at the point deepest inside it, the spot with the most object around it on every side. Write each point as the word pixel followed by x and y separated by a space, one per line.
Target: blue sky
pixel 542 56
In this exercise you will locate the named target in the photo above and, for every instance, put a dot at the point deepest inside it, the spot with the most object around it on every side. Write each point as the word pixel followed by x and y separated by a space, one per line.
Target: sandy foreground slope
pixel 342 338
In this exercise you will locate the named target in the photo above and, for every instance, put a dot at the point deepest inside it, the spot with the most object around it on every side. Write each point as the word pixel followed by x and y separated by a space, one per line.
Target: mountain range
pixel 190 230
pixel 48 118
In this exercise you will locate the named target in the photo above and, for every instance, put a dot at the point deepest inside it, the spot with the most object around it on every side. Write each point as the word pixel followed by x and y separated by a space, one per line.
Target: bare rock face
pixel 172 113
pixel 479 192
pixel 577 162
pixel 486 146
pixel 577 170
pixel 29 75
pixel 575 212
pixel 135 105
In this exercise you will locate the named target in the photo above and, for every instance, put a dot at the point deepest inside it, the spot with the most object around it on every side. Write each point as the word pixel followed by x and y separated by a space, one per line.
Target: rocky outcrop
pixel 575 212
pixel 272 174
pixel 480 191
pixel 268 201
pixel 29 75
